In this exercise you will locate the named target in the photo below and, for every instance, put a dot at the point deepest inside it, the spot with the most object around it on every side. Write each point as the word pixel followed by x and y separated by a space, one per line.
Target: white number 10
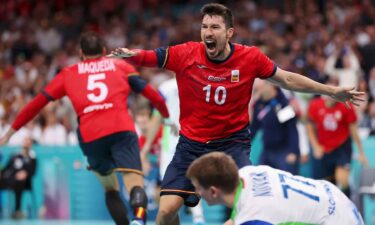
pixel 219 90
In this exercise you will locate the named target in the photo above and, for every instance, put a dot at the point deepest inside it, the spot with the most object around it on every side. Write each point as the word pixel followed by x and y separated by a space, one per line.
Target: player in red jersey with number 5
pixel 215 79
pixel 98 88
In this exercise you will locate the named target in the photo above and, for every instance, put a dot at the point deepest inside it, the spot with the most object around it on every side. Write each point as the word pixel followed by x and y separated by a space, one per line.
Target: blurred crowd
pixel 320 39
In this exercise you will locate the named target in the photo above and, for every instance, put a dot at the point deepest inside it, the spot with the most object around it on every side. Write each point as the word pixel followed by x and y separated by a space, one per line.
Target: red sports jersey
pixel 332 123
pixel 98 89
pixel 214 96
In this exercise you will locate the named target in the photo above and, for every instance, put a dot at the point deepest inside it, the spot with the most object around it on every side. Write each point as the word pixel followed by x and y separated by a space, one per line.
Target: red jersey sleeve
pixel 266 68
pixel 56 89
pixel 171 57
pixel 143 58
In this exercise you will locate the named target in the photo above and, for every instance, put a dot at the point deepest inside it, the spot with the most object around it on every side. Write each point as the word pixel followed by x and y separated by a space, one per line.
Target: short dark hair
pixel 215 169
pixel 91 43
pixel 216 9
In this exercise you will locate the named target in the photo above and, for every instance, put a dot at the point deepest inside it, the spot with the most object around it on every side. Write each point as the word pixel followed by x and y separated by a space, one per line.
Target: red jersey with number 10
pixel 214 96
pixel 98 90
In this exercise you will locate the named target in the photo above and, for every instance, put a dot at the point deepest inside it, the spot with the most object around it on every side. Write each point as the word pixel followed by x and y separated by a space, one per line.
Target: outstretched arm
pixel 136 57
pixel 26 114
pixel 297 82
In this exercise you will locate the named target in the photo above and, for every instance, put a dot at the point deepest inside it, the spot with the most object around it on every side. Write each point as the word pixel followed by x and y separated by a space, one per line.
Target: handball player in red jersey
pixel 98 88
pixel 215 79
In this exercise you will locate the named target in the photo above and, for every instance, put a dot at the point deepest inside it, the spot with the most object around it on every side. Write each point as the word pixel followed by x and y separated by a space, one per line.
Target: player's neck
pixel 229 199
pixel 224 55
pixel 88 57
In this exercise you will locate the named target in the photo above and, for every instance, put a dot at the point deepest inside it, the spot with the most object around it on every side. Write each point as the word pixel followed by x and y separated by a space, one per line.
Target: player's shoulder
pixel 246 48
pixel 255 169
pixel 190 46
pixel 69 68
pixel 249 52
pixel 244 171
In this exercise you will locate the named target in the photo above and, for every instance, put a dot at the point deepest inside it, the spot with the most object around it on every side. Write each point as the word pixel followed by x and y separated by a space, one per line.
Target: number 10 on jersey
pixel 219 91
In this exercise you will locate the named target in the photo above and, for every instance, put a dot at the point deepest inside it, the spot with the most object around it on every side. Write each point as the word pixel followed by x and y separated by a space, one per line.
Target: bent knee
pixel 168 213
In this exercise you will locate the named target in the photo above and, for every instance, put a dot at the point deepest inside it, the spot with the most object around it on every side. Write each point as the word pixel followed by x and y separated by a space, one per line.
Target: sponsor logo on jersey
pixel 235 76
pixel 97 107
pixel 216 79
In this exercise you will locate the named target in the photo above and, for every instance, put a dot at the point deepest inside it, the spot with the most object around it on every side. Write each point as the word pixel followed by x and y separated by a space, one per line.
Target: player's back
pixel 274 196
pixel 98 89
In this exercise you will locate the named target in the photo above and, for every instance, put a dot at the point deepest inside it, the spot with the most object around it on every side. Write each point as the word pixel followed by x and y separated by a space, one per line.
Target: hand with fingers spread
pixel 348 94
pixel 122 53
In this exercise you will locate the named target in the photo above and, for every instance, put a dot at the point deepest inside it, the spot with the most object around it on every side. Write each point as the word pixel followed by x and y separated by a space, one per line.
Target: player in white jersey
pixel 261 195
pixel 169 91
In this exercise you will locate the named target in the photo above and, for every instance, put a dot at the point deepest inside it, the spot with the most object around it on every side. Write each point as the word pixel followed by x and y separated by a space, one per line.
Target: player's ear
pixel 214 191
pixel 230 32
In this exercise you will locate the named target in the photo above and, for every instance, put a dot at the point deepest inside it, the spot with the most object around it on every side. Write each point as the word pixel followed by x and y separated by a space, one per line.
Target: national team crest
pixel 235 76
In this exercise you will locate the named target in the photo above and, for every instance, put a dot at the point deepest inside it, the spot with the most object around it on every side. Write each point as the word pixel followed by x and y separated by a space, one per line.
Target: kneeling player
pixel 265 196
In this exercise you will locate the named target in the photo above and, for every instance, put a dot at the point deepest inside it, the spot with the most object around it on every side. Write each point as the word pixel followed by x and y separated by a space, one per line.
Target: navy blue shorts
pixel 277 160
pixel 118 151
pixel 340 157
pixel 175 181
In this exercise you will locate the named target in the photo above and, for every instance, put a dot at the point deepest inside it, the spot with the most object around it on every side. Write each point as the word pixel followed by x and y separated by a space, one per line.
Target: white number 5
pixel 94 83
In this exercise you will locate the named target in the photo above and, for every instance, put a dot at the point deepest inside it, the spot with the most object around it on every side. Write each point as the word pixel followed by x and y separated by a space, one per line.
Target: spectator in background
pixel 17 174
pixel 368 121
pixel 343 64
pixel 52 132
pixel 277 119
pixel 371 83
pixel 331 127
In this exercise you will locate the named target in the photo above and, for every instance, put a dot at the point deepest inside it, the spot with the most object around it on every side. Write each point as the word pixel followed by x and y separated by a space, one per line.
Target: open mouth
pixel 211 44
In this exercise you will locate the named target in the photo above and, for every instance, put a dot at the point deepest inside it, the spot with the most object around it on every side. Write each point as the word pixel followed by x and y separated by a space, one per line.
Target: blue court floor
pixel 70 222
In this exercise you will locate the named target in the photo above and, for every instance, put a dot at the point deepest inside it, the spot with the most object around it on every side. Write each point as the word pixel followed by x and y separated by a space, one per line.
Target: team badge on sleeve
pixel 235 76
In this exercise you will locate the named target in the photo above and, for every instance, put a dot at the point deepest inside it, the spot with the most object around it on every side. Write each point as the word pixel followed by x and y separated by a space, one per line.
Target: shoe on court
pixel 137 222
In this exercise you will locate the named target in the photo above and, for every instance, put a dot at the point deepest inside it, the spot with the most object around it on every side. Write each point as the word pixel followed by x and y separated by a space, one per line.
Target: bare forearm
pixel 297 82
pixel 355 136
pixel 311 134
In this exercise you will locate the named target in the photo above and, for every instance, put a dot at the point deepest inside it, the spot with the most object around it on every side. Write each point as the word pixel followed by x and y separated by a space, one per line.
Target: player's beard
pixel 219 50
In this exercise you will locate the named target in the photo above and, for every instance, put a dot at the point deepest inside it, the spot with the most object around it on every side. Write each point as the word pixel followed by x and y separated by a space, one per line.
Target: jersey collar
pixel 236 198
pixel 221 61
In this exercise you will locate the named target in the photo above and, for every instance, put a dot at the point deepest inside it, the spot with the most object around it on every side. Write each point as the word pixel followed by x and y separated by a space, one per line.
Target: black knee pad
pixel 138 197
